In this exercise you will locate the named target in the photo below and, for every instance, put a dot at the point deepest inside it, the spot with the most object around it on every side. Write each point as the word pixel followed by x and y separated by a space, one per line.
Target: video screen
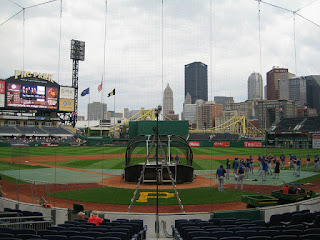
pixel 32 96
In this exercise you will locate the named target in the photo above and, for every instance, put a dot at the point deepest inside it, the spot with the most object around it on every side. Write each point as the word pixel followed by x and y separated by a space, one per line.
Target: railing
pixel 31 222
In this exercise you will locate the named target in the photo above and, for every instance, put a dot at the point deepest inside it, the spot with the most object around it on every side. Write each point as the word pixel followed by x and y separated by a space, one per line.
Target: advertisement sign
pixel 66 92
pixel 194 144
pixel 252 144
pixel 2 97
pixel 221 144
pixel 66 105
pixel 316 141
pixel 32 96
pixel 2 87
pixel 19 144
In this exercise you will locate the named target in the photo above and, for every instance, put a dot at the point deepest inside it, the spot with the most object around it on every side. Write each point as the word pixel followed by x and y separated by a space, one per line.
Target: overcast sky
pixel 139 61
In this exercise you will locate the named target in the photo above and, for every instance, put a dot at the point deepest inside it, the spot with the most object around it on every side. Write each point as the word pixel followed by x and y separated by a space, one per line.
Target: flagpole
pixel 102 106
pixel 88 115
pixel 114 116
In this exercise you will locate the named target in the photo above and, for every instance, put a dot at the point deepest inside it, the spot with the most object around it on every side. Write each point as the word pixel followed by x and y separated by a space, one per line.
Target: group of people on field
pixel 267 165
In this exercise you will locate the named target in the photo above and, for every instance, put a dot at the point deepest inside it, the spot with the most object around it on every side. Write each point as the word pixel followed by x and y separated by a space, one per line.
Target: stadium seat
pixel 310 237
pixel 6 235
pixel 70 233
pixel 297 232
pixel 46 232
pixel 27 236
pixel 56 228
pixel 245 233
pixel 286 237
pixel 92 234
pixel 221 234
pixel 108 238
pixel 234 229
pixel 275 220
pixel 257 228
pixel 56 237
pixel 259 223
pixel 205 238
pixel 232 238
pixel 311 231
pixel 192 235
pixel 120 235
pixel 24 231
pixel 81 238
pixel 6 230
pixel 268 232
pixel 259 238
pixel 124 230
pixel 79 229
pixel 279 228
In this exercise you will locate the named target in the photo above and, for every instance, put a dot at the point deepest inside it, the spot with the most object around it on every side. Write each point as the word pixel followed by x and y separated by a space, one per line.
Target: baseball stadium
pixel 152 177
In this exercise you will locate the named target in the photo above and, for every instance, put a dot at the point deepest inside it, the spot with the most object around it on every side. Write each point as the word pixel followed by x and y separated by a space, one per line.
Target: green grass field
pixel 123 196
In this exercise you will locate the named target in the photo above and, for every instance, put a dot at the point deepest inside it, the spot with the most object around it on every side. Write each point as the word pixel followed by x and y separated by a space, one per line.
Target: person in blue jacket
pixel 235 166
pixel 228 169
pixel 220 176
pixel 264 170
pixel 240 178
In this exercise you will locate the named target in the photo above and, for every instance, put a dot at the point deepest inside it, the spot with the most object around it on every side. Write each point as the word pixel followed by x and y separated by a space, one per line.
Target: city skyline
pixel 148 43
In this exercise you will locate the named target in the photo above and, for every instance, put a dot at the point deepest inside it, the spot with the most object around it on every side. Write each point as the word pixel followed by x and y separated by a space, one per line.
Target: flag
pixel 85 92
pixel 112 93
pixel 100 87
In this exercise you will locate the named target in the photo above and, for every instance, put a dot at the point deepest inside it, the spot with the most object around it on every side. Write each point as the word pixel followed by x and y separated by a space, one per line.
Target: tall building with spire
pixel 168 101
pixel 255 86
pixel 196 81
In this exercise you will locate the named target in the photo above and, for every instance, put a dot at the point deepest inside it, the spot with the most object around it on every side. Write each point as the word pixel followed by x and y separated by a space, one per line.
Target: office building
pixel 255 86
pixel 168 101
pixel 298 91
pixel 224 101
pixel 196 81
pixel 97 111
pixel 270 111
pixel 277 77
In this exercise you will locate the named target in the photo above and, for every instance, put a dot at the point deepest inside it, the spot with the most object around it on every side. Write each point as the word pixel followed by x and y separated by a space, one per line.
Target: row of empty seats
pixel 290 226
pixel 33 130
pixel 120 229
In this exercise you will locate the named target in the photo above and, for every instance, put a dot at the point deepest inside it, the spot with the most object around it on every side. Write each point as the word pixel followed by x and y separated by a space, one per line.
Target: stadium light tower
pixel 76 54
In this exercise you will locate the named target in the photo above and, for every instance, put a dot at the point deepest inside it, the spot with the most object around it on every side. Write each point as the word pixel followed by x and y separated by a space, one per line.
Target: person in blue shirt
pixel 308 162
pixel 291 161
pixel 316 163
pixel 282 159
pixel 228 169
pixel 247 168
pixel 177 159
pixel 251 163
pixel 264 170
pixel 235 166
pixel 220 176
pixel 240 178
pixel 269 165
pixel 298 164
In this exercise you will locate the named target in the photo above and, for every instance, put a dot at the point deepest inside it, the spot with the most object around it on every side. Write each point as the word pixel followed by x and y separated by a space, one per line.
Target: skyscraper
pixel 277 77
pixel 167 101
pixel 196 81
pixel 255 86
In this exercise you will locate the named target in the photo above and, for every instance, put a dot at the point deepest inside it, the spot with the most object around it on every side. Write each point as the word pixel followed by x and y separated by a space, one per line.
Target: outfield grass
pixel 191 196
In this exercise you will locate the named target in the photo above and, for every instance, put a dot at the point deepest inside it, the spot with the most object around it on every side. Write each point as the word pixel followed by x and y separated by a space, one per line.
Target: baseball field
pixel 92 176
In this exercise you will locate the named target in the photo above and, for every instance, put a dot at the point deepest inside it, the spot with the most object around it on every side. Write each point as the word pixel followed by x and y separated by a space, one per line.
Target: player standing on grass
pixel 308 162
pixel 240 177
pixel 220 176
pixel 228 169
pixel 283 159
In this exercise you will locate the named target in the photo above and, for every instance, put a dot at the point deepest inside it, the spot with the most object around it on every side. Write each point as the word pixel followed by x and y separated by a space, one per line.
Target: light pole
pixel 157 225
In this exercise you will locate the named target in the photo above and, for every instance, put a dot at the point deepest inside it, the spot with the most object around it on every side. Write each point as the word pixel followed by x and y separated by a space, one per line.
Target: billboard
pixel 221 144
pixel 66 92
pixel 31 95
pixel 66 105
